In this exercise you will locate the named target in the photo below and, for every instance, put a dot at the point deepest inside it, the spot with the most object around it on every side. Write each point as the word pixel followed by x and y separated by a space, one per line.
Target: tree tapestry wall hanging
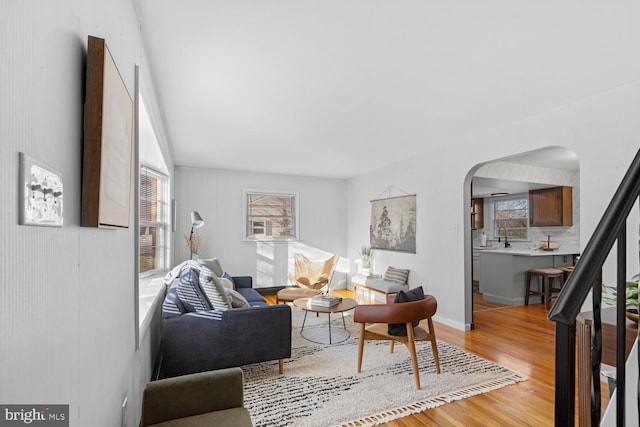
pixel 393 224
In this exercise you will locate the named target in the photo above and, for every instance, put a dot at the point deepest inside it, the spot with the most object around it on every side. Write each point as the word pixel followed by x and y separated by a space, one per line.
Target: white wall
pixel 602 130
pixel 67 327
pixel 218 196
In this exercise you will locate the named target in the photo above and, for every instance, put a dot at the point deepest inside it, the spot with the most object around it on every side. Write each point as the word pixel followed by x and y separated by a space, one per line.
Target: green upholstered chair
pixel 213 398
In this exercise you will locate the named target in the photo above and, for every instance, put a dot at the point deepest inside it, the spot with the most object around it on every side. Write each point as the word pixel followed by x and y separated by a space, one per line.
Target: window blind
pixel 153 220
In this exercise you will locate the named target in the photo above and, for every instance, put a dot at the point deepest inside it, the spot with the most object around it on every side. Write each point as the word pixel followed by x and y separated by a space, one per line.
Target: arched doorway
pixel 507 182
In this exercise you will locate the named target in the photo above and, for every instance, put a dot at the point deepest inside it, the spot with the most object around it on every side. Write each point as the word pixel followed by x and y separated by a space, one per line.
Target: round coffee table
pixel 345 305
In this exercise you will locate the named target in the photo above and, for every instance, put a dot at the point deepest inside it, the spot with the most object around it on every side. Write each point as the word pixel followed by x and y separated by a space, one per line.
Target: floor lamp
pixel 196 222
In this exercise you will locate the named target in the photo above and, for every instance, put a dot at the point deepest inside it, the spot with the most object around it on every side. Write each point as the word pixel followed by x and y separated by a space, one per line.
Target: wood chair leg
pixel 414 357
pixel 560 282
pixel 546 283
pixel 391 346
pixel 360 347
pixel 434 345
pixel 281 366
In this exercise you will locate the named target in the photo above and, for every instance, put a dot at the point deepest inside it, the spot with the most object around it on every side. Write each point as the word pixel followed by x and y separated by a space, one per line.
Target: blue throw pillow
pixel 415 294
pixel 228 277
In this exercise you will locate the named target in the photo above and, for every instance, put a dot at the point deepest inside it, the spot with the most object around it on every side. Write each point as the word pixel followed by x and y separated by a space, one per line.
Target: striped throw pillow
pixel 189 291
pixel 172 306
pixel 214 289
pixel 397 275
pixel 212 264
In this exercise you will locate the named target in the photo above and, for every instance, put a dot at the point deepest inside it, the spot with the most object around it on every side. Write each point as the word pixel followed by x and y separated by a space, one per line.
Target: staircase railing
pixel 587 277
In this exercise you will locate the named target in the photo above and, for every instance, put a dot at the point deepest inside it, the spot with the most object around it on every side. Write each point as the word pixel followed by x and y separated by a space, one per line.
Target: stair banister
pixel 587 277
pixel 578 286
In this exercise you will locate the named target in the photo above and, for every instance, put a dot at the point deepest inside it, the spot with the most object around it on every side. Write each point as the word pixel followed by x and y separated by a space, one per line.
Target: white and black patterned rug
pixel 320 386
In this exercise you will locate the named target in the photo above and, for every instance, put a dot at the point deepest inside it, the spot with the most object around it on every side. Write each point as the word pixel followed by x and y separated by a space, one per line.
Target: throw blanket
pixel 175 272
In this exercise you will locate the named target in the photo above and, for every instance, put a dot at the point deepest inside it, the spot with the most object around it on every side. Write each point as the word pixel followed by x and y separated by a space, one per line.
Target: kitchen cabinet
pixel 503 272
pixel 551 207
pixel 477 213
pixel 562 261
pixel 503 276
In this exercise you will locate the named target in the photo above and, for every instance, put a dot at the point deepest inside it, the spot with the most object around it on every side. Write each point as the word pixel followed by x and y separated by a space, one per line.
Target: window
pixel 271 215
pixel 153 220
pixel 511 217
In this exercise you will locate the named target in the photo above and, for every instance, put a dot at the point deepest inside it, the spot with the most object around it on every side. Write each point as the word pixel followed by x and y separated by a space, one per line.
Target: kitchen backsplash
pixel 565 237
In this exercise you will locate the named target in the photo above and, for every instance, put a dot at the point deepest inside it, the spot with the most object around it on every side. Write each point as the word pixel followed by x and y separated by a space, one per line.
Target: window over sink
pixel 511 217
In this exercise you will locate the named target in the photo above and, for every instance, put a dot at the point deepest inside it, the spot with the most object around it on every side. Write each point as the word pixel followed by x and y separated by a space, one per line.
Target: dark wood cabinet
pixel 551 207
pixel 477 213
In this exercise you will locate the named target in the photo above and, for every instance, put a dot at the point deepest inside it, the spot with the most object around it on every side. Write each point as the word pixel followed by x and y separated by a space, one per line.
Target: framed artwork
pixel 393 224
pixel 41 194
pixel 108 142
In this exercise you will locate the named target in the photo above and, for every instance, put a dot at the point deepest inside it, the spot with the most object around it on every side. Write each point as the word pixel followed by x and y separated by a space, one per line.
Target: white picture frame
pixel 41 194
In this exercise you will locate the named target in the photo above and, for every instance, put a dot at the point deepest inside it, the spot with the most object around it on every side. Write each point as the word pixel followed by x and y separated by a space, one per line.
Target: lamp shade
pixel 196 220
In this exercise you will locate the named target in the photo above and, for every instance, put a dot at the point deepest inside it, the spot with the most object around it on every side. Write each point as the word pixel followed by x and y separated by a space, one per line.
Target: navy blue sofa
pixel 198 341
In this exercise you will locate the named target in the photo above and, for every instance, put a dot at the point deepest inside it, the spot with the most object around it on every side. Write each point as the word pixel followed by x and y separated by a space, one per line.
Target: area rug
pixel 320 386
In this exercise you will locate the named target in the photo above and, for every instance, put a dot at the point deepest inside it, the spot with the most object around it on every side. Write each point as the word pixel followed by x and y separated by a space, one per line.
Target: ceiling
pixel 338 88
pixel 492 187
pixel 551 157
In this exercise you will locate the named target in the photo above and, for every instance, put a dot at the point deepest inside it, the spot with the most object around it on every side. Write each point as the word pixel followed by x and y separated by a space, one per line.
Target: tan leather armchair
pixel 380 315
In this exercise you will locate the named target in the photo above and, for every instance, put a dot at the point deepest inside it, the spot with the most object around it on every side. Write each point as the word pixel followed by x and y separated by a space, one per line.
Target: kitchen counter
pixel 503 271
pixel 526 252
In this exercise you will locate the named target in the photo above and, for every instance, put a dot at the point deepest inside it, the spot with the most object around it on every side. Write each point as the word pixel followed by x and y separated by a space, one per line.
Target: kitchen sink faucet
pixel 506 241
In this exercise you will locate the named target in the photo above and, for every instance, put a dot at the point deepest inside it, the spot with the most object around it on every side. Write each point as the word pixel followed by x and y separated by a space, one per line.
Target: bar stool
pixel 566 271
pixel 547 277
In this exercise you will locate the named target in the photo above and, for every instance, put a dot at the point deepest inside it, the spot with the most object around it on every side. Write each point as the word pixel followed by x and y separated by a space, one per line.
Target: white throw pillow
pixel 228 284
pixel 236 299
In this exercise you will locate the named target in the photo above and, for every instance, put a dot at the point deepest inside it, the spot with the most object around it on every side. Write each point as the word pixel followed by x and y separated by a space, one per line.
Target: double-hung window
pixel 154 222
pixel 270 215
pixel 511 217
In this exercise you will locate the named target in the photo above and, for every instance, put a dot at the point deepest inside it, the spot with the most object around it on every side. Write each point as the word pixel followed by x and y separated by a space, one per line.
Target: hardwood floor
pixel 479 303
pixel 519 338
